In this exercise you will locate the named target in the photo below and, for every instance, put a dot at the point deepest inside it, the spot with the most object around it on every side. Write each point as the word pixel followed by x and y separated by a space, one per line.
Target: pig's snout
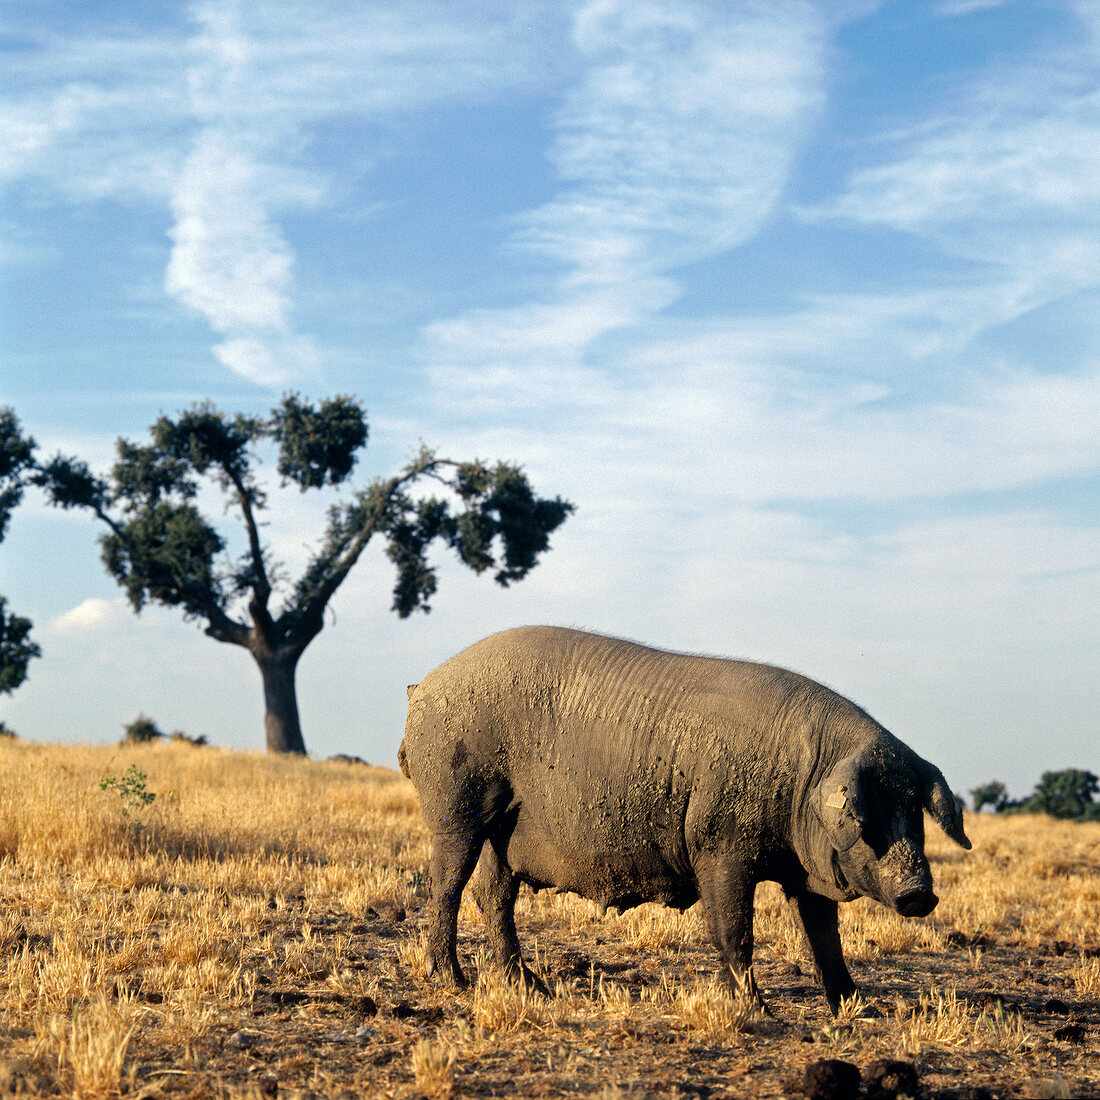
pixel 918 901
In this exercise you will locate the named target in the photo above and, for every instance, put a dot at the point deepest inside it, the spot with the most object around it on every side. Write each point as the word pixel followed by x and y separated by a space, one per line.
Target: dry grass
pixel 433 1066
pixel 256 931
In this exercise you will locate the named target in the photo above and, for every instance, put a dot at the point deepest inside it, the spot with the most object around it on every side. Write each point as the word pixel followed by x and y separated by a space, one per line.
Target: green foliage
pixel 133 795
pixel 16 462
pixel 70 484
pixel 16 449
pixel 993 795
pixel 146 476
pixel 16 649
pixel 1067 793
pixel 318 446
pixel 166 553
pixel 161 549
pixel 500 509
pixel 141 730
pixel 522 521
pixel 16 457
pixel 204 439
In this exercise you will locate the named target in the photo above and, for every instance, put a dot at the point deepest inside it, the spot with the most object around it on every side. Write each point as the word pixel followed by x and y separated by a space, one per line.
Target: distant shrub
pixel 1092 812
pixel 179 735
pixel 140 731
pixel 7 731
pixel 143 729
pixel 994 795
pixel 1067 794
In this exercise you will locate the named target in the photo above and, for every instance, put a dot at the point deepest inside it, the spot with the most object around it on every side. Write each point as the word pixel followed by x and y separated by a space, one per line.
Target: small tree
pixel 141 731
pixel 161 548
pixel 16 460
pixel 1067 793
pixel 994 795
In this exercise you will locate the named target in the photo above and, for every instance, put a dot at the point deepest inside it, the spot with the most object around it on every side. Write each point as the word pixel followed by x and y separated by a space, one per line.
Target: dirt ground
pixel 609 1040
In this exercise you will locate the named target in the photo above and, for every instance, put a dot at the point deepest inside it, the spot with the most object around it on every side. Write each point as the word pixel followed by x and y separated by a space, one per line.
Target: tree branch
pixel 262 586
pixel 219 625
pixel 310 615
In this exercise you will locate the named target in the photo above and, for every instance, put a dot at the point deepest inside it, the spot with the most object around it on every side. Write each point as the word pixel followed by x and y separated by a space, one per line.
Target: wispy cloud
pixel 91 617
pixel 230 263
pixel 966 7
pixel 311 59
pixel 990 170
pixel 27 129
pixel 713 418
pixel 674 145
pixel 1007 173
pixel 212 118
pixel 677 141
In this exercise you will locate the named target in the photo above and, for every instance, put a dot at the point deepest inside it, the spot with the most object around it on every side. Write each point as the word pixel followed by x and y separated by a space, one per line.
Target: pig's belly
pixel 600 858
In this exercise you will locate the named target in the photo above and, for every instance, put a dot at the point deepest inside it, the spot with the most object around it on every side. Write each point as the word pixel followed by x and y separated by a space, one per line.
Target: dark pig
pixel 627 774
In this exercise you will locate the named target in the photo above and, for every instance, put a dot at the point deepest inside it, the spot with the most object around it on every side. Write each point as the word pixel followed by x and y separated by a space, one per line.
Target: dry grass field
pixel 254 932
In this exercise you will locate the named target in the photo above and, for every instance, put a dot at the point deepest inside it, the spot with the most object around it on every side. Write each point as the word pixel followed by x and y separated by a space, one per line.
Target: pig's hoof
pixel 447 973
pixel 854 1008
pixel 532 982
pixel 515 970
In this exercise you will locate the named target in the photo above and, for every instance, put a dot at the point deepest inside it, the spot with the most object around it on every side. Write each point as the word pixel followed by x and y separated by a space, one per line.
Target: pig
pixel 627 774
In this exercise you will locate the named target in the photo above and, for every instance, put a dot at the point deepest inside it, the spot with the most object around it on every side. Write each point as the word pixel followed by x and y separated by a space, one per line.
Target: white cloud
pixel 228 261
pixel 702 416
pixel 213 118
pixel 1005 171
pixel 91 618
pixel 308 59
pixel 989 169
pixel 677 141
pixel 966 7
pixel 27 129
pixel 88 116
pixel 270 360
pixel 674 145
pixel 533 356
pixel 257 80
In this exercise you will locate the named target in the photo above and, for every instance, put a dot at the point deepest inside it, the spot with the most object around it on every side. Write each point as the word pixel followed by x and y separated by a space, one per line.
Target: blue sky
pixel 796 301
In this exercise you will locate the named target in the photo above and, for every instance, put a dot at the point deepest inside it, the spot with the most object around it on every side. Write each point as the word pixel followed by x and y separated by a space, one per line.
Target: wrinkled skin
pixel 627 774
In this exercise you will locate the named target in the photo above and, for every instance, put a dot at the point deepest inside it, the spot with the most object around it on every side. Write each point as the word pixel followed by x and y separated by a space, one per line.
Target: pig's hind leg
pixel 454 856
pixel 495 890
pixel 466 809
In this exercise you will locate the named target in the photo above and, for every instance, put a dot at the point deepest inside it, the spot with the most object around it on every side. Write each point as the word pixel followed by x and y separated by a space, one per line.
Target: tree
pixel 994 795
pixel 1067 793
pixel 141 731
pixel 16 461
pixel 161 548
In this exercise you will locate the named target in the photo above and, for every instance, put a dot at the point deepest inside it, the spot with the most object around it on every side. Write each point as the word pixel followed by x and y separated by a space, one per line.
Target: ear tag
pixel 837 801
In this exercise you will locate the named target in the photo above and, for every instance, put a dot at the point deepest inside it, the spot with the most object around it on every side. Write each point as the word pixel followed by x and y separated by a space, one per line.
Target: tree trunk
pixel 284 732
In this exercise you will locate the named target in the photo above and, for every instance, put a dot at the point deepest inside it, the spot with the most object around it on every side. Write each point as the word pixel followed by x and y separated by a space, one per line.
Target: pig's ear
pixel 838 800
pixel 946 810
